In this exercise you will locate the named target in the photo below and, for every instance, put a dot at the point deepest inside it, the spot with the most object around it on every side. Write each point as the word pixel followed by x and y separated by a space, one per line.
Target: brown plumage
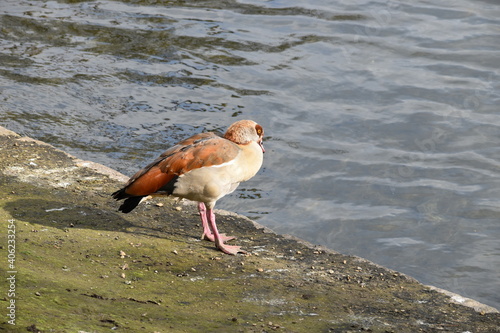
pixel 202 168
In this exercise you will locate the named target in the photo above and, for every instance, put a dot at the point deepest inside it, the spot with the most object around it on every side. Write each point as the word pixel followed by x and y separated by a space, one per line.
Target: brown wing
pixel 204 152
pixel 200 150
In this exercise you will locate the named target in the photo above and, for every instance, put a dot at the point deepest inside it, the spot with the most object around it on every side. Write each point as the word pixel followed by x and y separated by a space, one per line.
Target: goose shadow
pixel 147 220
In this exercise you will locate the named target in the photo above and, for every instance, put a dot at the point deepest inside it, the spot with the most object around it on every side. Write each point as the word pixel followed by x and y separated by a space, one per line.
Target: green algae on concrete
pixel 81 266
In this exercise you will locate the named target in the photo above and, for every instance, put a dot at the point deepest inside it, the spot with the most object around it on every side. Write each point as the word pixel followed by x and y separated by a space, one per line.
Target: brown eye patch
pixel 259 129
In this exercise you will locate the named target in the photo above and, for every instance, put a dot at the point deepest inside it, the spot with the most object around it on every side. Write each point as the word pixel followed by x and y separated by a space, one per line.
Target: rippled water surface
pixel 382 118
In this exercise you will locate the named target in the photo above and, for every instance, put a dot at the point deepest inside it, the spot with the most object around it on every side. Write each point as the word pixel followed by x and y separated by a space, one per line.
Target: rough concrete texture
pixel 81 266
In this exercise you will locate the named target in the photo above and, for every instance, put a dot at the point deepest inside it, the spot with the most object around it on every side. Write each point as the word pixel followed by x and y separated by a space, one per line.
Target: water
pixel 381 117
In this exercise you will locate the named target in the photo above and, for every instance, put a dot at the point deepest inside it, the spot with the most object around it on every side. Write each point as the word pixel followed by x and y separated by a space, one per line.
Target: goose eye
pixel 259 129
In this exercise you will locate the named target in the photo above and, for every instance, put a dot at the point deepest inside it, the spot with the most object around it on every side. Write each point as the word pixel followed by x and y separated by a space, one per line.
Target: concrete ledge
pixel 81 266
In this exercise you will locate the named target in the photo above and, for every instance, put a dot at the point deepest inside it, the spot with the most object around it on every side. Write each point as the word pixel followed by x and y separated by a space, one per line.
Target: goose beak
pixel 262 146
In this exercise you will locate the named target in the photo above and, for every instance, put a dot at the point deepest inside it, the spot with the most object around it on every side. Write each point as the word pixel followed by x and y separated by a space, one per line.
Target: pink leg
pixel 208 234
pixel 219 242
pixel 203 216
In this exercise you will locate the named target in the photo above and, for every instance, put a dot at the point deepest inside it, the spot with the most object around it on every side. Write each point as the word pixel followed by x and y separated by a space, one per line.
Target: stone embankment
pixel 78 265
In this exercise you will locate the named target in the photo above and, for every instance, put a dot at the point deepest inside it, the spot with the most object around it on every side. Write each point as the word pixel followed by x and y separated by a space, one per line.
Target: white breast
pixel 208 184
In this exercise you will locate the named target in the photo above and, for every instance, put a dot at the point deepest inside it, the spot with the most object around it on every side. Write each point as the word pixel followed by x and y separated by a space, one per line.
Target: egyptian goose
pixel 203 168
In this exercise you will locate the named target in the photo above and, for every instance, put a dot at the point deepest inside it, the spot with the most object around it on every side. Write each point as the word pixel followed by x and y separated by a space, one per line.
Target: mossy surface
pixel 84 267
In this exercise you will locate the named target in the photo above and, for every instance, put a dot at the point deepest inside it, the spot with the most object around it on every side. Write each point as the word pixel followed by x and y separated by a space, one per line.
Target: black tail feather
pixel 129 204
pixel 120 194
